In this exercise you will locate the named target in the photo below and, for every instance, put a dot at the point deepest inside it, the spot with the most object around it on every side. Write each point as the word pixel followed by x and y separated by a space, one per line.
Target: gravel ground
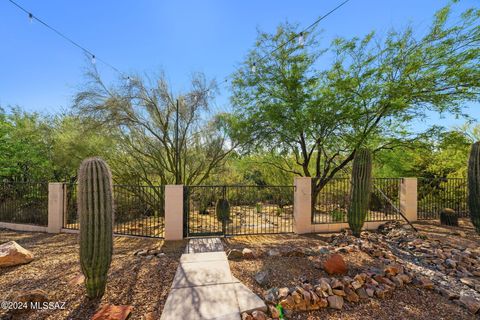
pixel 407 303
pixel 133 280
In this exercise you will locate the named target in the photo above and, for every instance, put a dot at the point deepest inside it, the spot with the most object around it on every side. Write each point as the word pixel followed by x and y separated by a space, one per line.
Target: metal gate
pixel 253 210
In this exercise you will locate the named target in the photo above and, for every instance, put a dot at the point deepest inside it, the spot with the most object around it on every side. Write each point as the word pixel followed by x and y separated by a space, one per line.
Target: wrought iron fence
pixel 139 210
pixel 253 210
pixel 330 204
pixel 24 202
pixel 435 194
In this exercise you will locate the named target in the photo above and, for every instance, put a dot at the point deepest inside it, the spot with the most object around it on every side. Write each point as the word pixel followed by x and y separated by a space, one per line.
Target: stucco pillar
pixel 408 198
pixel 302 206
pixel 174 212
pixel 55 207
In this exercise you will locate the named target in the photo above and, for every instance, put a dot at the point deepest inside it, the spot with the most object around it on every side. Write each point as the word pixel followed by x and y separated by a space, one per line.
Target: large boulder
pixel 12 254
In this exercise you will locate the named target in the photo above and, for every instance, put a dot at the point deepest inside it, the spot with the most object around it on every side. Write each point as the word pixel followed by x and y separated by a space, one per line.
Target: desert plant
pixel 258 207
pixel 449 217
pixel 222 210
pixel 361 184
pixel 474 185
pixel 95 209
pixel 337 215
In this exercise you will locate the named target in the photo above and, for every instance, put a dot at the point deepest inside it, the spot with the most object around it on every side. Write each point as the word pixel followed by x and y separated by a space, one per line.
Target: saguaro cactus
pixel 474 185
pixel 360 190
pixel 222 209
pixel 95 208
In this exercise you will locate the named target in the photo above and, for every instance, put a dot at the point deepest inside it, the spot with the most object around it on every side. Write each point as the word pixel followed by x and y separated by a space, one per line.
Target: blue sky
pixel 41 72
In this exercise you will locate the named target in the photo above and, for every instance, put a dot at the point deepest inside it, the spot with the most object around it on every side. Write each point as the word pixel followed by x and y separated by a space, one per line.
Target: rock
pixel 141 253
pixel 448 294
pixel 262 277
pixel 259 315
pixel 283 293
pixel 12 254
pixel 288 303
pixel 397 281
pixel 405 278
pixel 355 285
pixel 370 292
pixel 274 312
pixel 154 252
pixel 273 253
pixel 235 254
pixel 161 254
pixel 335 265
pixel 472 304
pixel 112 312
pixel 393 269
pixel 449 263
pixel 29 296
pixel 362 293
pixel 335 302
pixel 350 295
pixel 336 284
pixel 247 253
pixel 468 281
pixel 380 293
pixel 271 296
pixel 425 283
pixel 339 292
pixel 246 316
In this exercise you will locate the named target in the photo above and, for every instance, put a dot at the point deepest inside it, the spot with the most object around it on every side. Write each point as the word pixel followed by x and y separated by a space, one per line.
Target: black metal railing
pixel 24 203
pixel 253 210
pixel 435 194
pixel 139 210
pixel 330 204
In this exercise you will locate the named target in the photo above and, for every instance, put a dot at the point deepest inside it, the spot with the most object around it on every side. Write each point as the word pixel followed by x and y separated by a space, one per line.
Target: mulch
pixel 132 280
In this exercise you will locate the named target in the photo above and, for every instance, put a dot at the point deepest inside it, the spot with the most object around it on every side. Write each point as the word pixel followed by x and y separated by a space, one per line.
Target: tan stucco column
pixel 55 207
pixel 302 206
pixel 408 198
pixel 174 212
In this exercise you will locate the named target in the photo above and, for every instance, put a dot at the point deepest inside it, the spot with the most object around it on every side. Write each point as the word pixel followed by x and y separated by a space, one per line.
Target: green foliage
pixel 95 210
pixel 222 209
pixel 474 185
pixel 372 93
pixel 337 215
pixel 258 207
pixel 360 190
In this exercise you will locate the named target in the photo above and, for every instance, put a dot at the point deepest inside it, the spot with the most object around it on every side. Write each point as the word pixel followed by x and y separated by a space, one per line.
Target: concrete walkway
pixel 204 288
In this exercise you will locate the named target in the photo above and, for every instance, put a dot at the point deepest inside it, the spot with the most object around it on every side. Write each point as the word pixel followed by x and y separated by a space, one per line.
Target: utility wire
pixel 301 33
pixel 94 57
pixel 62 35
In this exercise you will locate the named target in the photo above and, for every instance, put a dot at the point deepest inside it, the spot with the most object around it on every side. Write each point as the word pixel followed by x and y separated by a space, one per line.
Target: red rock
pixel 335 265
pixel 112 312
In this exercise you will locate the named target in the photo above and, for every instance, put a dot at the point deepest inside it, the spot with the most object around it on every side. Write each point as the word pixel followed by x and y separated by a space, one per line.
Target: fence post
pixel 302 205
pixel 408 198
pixel 55 207
pixel 174 212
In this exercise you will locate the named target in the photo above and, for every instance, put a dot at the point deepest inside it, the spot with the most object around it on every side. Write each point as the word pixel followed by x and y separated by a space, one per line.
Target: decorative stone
pixel 335 302
pixel 335 265
pixel 262 277
pixel 274 311
pixel 393 269
pixel 112 312
pixel 425 283
pixel 472 304
pixel 362 293
pixel 248 253
pixel 355 285
pixel 283 293
pixel 273 253
pixel 246 316
pixel 36 295
pixel 259 315
pixel 13 254
pixel 350 295
pixel 288 303
pixel 339 292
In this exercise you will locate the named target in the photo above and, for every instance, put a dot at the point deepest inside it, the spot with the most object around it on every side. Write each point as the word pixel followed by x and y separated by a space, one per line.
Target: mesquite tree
pixel 370 93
